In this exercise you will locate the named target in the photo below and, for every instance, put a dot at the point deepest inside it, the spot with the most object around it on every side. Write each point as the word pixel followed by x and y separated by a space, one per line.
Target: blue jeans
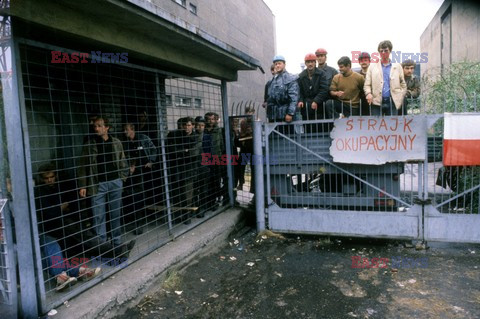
pixel 53 258
pixel 111 191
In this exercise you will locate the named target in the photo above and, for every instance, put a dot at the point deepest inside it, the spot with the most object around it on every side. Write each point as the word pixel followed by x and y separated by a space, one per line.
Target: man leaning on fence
pixel 103 169
pixel 385 84
pixel 313 92
pixel 282 94
pixel 413 85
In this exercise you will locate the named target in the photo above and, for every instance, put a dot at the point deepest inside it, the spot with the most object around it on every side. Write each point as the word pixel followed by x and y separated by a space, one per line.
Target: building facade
pixel 65 64
pixel 452 36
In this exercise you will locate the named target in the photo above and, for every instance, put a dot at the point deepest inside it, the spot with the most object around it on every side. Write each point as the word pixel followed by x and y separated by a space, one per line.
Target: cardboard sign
pixel 379 140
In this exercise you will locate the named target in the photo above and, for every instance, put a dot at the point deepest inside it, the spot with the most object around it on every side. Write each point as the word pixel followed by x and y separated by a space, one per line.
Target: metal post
pixel 259 187
pixel 17 141
pixel 227 139
pixel 162 124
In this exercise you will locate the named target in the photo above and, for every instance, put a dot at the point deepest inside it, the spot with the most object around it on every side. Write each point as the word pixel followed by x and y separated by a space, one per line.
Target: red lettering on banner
pixel 361 122
pixel 363 141
pixel 396 124
pixel 349 125
pixel 371 124
pixel 406 124
pixel 383 124
pixel 411 138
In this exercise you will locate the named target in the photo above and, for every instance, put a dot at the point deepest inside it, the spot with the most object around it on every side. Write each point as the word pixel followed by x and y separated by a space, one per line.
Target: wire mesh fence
pixel 116 154
pixel 301 172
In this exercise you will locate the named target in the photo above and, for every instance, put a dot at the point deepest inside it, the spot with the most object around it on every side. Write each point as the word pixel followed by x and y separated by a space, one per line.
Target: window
pixel 183 3
pixel 193 8
pixel 183 101
pixel 198 103
pixel 168 100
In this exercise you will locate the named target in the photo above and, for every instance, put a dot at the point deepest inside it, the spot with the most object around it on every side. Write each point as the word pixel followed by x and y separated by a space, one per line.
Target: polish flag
pixel 461 139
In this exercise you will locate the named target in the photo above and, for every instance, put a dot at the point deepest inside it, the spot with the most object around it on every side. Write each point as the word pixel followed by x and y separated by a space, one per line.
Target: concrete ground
pixel 320 277
pixel 114 294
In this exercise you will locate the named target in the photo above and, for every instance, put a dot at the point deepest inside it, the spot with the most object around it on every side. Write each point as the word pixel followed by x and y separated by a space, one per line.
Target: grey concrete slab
pixel 109 297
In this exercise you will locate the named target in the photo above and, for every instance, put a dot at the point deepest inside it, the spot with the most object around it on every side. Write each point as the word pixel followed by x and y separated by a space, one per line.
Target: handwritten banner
pixel 379 140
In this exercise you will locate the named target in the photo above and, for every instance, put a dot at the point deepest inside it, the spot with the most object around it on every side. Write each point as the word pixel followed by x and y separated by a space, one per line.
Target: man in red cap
pixel 364 61
pixel 313 91
pixel 322 65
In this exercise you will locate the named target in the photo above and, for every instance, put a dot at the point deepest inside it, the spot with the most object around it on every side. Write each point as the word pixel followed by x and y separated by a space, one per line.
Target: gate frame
pixel 423 222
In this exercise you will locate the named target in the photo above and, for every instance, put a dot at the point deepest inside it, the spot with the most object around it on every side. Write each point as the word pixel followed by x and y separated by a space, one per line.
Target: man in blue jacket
pixel 282 93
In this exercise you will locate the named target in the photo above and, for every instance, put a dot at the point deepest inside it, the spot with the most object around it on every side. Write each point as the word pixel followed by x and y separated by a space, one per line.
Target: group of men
pixel 320 92
pixel 119 175
pixel 193 185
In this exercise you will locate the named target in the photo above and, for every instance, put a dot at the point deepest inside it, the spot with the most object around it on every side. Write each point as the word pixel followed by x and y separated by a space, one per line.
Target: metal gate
pixel 307 192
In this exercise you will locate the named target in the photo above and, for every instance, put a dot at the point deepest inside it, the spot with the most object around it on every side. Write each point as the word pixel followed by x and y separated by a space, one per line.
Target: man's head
pixel 344 65
pixel 47 173
pixel 187 124
pixel 272 69
pixel 199 124
pixel 101 127
pixel 129 130
pixel 310 61
pixel 408 67
pixel 321 55
pixel 385 48
pixel 364 60
pixel 210 120
pixel 279 62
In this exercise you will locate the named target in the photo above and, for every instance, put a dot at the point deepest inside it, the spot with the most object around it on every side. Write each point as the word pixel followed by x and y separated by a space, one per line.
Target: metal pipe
pixel 259 185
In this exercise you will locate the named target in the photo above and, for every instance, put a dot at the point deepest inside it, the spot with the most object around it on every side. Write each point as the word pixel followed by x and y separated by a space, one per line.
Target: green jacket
pixel 218 146
pixel 87 170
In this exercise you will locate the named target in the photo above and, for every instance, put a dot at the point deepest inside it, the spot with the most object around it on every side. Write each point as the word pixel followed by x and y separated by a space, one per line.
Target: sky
pixel 343 26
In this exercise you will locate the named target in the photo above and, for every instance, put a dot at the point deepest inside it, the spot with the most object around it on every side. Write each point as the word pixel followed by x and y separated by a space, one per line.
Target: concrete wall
pixel 465 35
pixel 247 25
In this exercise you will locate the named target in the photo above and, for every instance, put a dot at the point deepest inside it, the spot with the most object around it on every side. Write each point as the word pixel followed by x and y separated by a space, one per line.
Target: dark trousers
pixel 335 107
pixel 387 108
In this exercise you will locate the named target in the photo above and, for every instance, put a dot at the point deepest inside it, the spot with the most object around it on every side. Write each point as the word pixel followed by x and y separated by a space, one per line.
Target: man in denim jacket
pixel 282 93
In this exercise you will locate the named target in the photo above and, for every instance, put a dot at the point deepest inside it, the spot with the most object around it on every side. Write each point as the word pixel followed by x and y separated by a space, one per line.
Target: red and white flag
pixel 461 139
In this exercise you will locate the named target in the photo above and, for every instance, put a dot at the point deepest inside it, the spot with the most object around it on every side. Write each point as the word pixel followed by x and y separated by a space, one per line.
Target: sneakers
pixel 86 274
pixel 64 281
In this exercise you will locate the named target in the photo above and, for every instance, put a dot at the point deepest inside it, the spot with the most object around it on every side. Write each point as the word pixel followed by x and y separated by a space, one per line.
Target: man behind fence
pixel 57 228
pixel 313 91
pixel 385 84
pixel 282 94
pixel 346 89
pixel 103 169
pixel 141 155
